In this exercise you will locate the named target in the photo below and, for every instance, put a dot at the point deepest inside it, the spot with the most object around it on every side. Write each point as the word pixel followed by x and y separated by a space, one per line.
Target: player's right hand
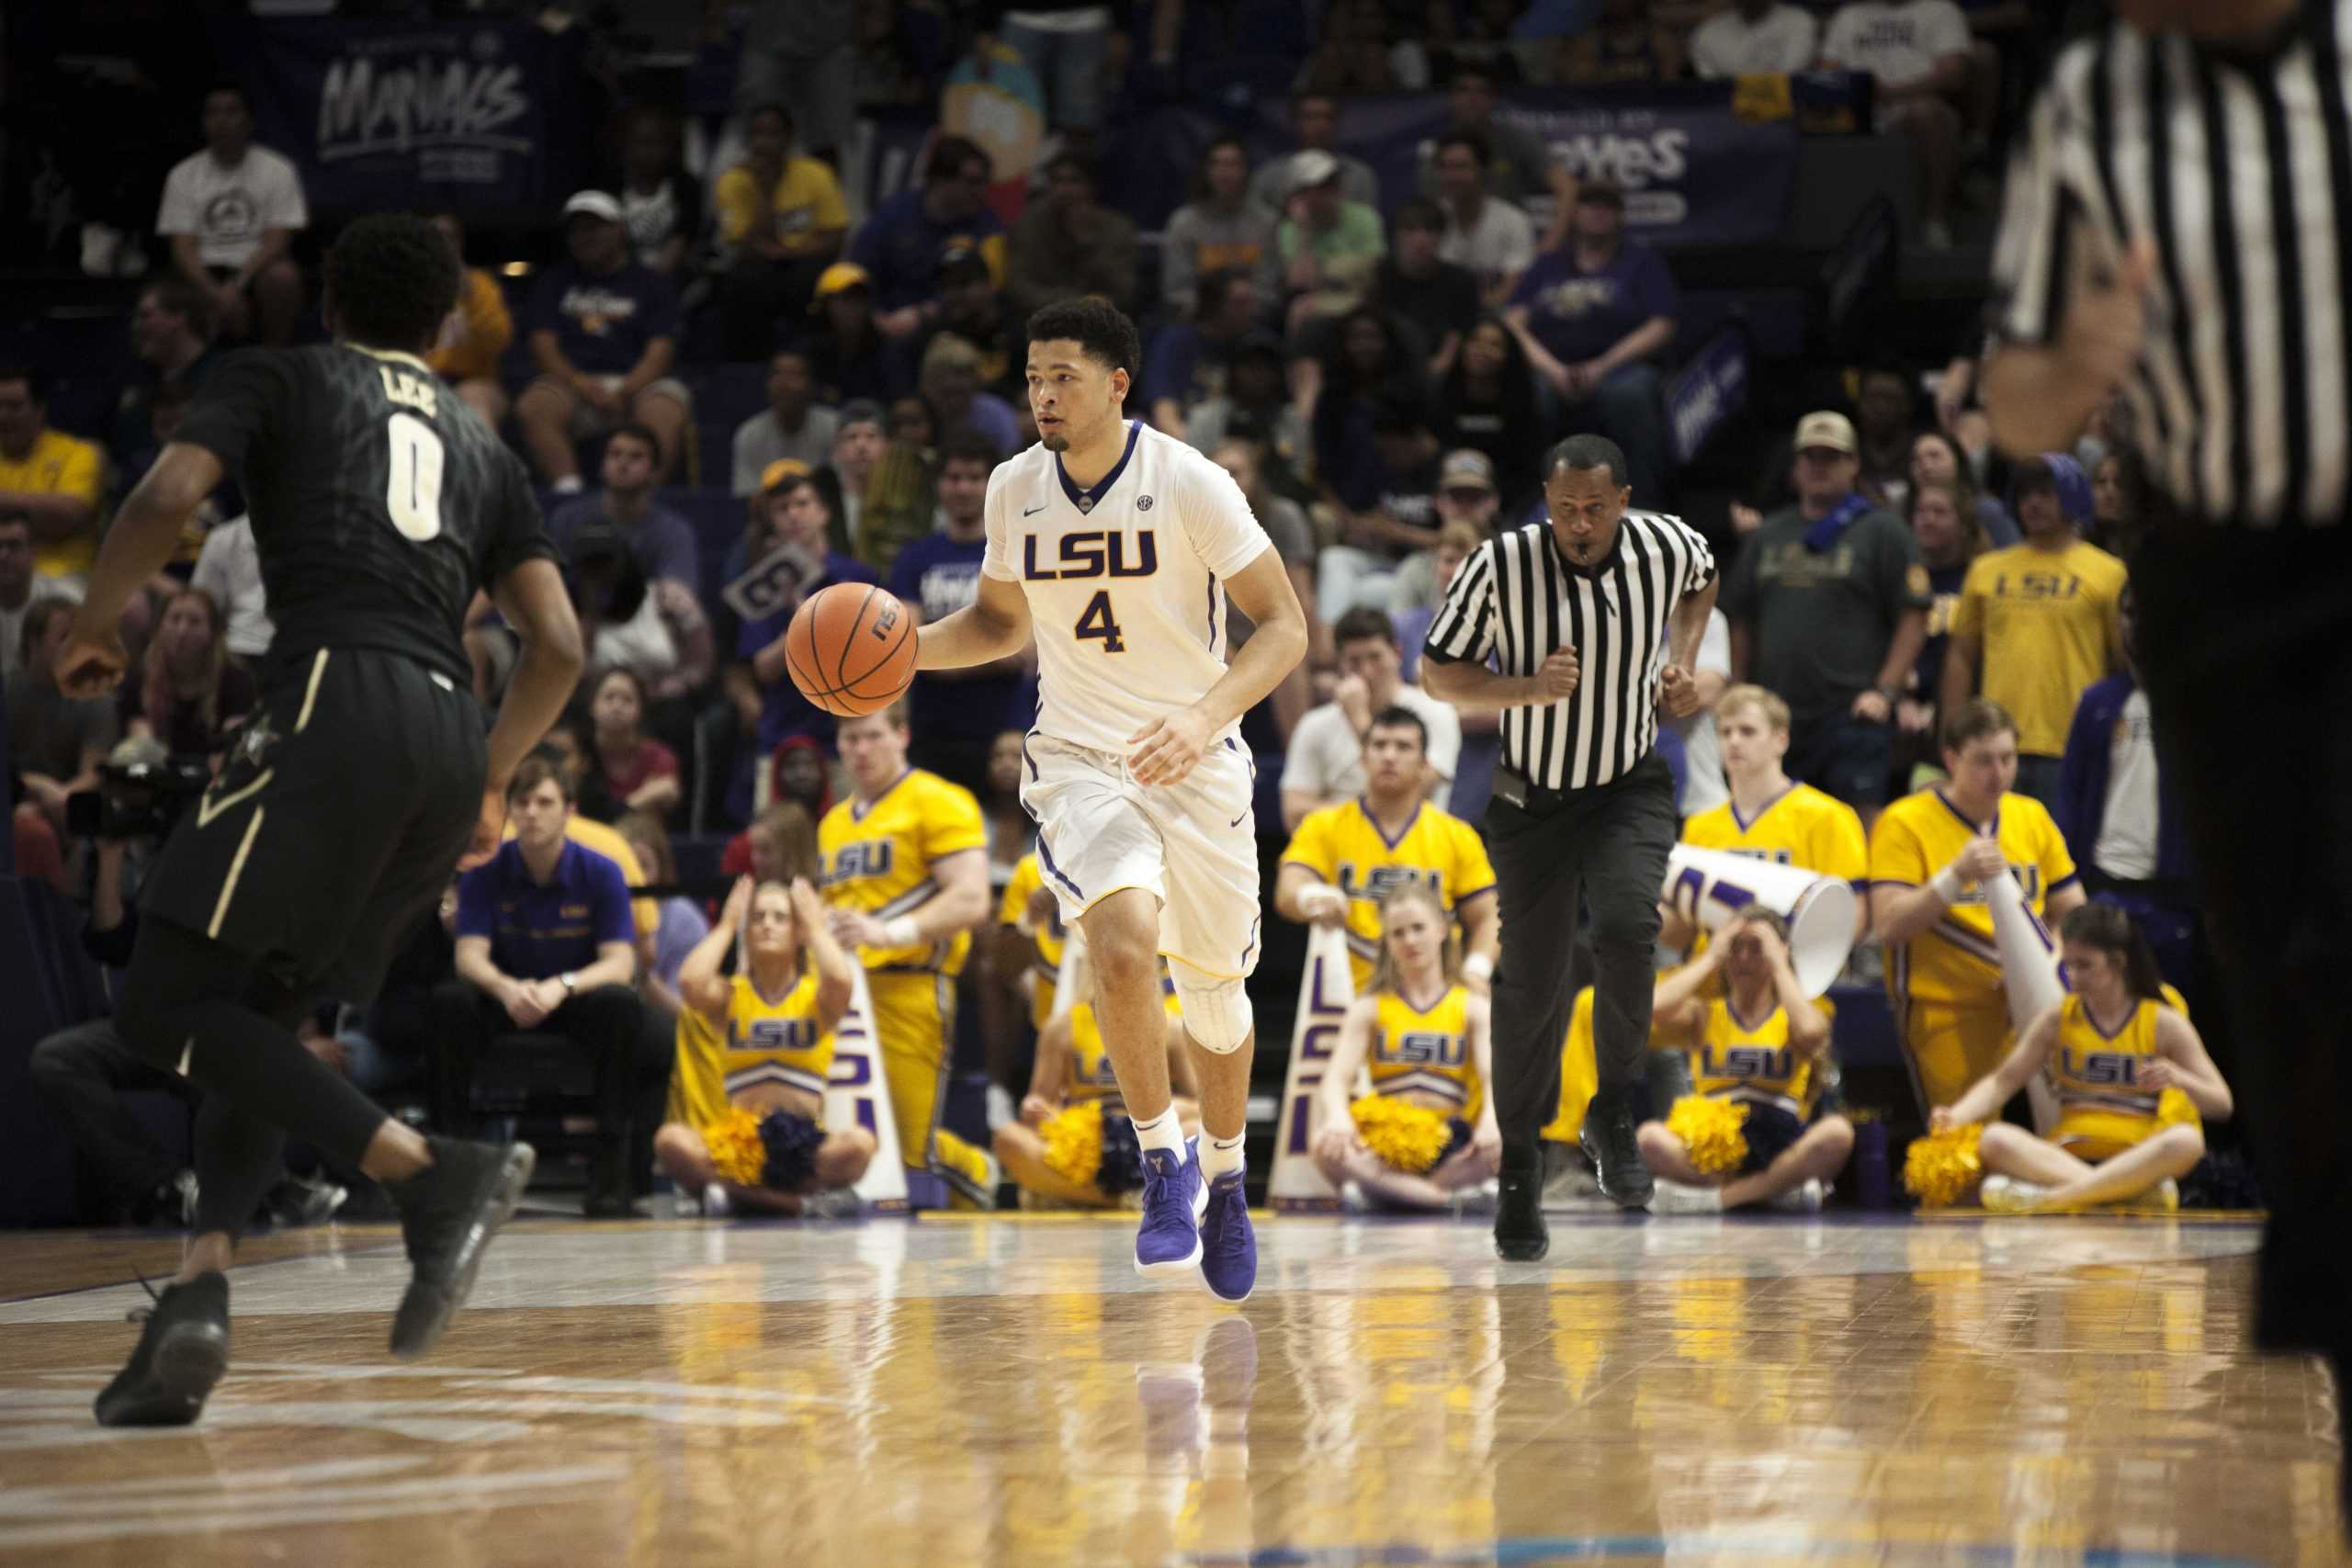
pixel 1556 677
pixel 1981 861
pixel 91 664
pixel 490 829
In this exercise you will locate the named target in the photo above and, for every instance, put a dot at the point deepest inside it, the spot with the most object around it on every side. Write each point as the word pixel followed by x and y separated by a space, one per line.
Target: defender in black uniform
pixel 380 503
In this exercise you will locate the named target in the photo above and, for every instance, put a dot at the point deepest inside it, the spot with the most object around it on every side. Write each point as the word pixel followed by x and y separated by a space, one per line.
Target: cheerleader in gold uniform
pixel 1073 1072
pixel 2133 1083
pixel 758 1045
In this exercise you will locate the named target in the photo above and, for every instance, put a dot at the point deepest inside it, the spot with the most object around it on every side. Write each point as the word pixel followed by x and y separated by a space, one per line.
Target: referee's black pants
pixel 1603 848
pixel 2244 640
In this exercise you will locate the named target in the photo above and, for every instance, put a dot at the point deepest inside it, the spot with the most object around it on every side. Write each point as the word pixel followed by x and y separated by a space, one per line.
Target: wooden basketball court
pixel 1004 1390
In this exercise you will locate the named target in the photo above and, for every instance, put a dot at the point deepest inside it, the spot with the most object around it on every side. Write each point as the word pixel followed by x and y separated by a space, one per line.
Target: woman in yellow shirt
pixel 477 333
pixel 781 222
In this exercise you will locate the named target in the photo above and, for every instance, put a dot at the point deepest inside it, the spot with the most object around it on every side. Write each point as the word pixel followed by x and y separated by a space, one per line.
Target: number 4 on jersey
pixel 1096 621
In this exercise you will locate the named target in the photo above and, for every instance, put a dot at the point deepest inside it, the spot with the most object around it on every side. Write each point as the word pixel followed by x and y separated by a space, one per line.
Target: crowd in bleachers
pixel 724 367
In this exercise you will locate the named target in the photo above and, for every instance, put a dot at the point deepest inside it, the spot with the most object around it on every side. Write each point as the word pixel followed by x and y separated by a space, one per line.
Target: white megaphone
pixel 1711 885
pixel 2032 981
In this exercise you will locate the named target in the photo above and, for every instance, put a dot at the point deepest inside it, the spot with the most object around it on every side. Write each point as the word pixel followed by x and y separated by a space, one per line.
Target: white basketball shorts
pixel 1191 845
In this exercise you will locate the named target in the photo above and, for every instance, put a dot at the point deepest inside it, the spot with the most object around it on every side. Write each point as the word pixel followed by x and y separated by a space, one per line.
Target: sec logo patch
pixel 1143 504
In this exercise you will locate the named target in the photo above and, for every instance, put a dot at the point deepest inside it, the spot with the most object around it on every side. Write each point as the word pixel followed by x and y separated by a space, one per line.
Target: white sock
pixel 568 485
pixel 1162 1131
pixel 1219 1156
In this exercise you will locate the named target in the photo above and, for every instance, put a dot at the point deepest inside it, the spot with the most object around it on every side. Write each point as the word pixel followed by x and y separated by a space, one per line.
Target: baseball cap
pixel 1827 427
pixel 1312 167
pixel 841 276
pixel 1467 469
pixel 783 469
pixel 593 204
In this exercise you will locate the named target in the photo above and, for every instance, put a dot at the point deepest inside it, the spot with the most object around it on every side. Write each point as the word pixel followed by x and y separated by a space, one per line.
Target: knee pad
pixel 1216 1013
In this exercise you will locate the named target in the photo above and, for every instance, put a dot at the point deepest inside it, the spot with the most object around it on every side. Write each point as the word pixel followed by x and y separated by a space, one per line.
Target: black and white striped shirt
pixel 1517 598
pixel 2239 169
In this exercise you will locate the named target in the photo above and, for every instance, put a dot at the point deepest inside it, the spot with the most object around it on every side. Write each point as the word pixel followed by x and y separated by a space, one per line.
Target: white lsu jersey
pixel 1125 581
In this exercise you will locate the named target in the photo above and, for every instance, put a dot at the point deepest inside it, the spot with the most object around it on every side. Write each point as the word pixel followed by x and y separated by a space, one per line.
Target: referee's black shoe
pixel 181 1352
pixel 1616 1157
pixel 449 1213
pixel 1520 1234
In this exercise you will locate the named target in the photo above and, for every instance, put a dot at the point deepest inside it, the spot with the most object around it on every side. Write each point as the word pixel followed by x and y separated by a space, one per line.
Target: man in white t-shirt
pixel 1484 234
pixel 230 213
pixel 229 567
pixel 1325 762
pixel 1755 38
pixel 1917 53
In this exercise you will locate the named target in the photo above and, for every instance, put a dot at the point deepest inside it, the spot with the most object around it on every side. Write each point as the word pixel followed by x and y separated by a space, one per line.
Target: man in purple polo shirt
pixel 546 947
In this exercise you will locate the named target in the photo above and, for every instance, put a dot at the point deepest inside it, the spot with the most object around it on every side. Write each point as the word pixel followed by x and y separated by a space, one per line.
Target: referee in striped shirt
pixel 1592 623
pixel 2179 225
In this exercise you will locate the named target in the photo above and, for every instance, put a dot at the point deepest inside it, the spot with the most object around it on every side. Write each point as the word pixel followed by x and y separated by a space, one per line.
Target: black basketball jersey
pixel 379 501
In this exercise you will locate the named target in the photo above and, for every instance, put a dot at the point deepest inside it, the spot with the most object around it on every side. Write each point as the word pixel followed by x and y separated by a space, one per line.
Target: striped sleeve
pixel 1463 628
pixel 2030 282
pixel 1702 564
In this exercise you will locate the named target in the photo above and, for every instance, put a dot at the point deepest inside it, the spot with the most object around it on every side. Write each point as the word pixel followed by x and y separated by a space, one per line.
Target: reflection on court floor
pixel 1005 1390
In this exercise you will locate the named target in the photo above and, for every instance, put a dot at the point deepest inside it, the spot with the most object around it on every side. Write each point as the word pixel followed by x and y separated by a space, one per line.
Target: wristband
pixel 1946 883
pixel 1477 966
pixel 901 931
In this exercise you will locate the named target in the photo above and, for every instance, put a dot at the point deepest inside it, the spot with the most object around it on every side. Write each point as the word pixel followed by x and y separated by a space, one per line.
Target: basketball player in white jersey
pixel 1118 547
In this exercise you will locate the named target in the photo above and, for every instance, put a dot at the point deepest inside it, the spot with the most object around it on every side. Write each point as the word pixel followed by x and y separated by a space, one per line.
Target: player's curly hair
pixel 1099 328
pixel 393 279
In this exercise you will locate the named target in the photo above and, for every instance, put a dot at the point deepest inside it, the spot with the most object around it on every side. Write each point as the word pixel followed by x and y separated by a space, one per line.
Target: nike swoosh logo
pixel 1033 510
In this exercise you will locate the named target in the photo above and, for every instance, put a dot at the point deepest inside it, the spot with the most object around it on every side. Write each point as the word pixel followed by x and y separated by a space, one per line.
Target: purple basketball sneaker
pixel 1229 1251
pixel 1173 1196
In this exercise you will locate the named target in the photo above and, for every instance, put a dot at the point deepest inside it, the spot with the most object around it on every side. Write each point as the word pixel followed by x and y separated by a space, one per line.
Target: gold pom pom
pixel 1711 1131
pixel 736 1151
pixel 1402 1136
pixel 1943 1169
pixel 1073 1139
pixel 2174 1106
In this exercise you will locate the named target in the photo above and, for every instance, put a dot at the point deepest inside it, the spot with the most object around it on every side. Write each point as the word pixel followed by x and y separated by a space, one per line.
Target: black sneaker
pixel 182 1351
pixel 1616 1159
pixel 448 1212
pixel 1520 1234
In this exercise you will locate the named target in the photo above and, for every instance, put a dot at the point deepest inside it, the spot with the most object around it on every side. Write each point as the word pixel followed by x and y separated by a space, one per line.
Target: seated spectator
pixel 1455 540
pixel 1415 285
pixel 661 203
pixel 1219 229
pixel 799 505
pixel 805 56
pixel 1315 117
pixel 1917 54
pixel 171 336
pixel 781 223
pixel 190 696
pixel 1365 365
pixel 53 479
pixel 951 389
pixel 1420 1037
pixel 18 588
pixel 1356 55
pixel 1292 538
pixel 662 542
pixel 1188 361
pixel 1593 317
pixel 1482 33
pixel 604 335
pixel 1256 406
pixel 654 626
pixel 1467 507
pixel 2114 1052
pixel 1400 518
pixel 637 773
pixel 1936 458
pixel 1068 48
pixel 900 243
pixel 1519 168
pixel 1755 38
pixel 1829 607
pixel 1325 763
pixel 231 213
pixel 1483 233
pixel 1488 402
pixel 2043 616
pixel 1627 45
pixel 1758 1043
pixel 1948 541
pixel 1884 427
pixel 912 427
pixel 1326 247
pixel 2118 504
pixel 956 715
pixel 682 922
pixel 476 336
pixel 848 356
pixel 781 843
pixel 529 961
pixel 1066 244
pixel 793 427
pixel 760 1041
pixel 55 742
pixel 879 491
pixel 229 569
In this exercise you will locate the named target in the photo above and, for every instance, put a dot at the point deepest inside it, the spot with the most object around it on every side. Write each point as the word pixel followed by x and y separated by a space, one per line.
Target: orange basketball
pixel 851 649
